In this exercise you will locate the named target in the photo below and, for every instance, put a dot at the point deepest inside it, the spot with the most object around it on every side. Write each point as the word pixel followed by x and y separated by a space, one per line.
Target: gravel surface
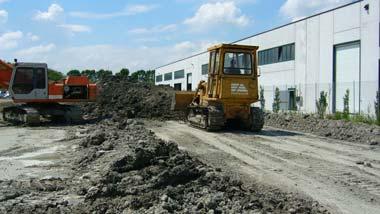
pixel 121 167
pixel 336 129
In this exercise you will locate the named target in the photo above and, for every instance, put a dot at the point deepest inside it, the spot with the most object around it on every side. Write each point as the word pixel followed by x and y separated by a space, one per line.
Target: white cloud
pixel 156 29
pixel 128 11
pixel 212 14
pixel 111 57
pixel 32 37
pixel 2 1
pixel 10 40
pixel 297 9
pixel 139 8
pixel 75 28
pixel 36 50
pixel 52 14
pixel 3 16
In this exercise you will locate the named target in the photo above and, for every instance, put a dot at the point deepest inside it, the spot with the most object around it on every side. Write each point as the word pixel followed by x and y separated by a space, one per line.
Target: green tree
pixel 102 74
pixel 276 101
pixel 143 76
pixel 150 76
pixel 54 75
pixel 138 76
pixel 73 73
pixel 124 72
pixel 346 105
pixel 321 104
pixel 262 98
pixel 91 74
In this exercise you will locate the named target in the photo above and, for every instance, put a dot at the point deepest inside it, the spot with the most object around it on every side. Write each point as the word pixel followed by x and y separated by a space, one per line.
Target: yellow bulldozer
pixel 228 94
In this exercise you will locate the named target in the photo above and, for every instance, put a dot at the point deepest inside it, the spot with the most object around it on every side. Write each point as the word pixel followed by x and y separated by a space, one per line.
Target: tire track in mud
pixel 322 168
pixel 326 169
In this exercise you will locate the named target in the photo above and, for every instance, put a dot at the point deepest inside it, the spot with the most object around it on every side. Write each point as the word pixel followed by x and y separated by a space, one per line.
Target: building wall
pixel 312 70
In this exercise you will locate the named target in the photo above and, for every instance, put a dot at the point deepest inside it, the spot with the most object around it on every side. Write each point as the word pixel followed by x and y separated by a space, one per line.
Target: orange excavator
pixel 36 96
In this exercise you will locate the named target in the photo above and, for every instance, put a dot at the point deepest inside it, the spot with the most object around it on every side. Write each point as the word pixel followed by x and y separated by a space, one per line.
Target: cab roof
pixel 233 46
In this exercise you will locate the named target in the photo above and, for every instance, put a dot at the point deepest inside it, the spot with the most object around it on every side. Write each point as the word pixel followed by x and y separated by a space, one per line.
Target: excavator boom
pixel 5 74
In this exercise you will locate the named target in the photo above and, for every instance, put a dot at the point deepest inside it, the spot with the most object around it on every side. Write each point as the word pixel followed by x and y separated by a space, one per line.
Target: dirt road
pixel 343 176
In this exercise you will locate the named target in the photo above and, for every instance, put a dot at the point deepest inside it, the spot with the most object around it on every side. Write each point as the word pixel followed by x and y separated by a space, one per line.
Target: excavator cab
pixel 228 94
pixel 29 81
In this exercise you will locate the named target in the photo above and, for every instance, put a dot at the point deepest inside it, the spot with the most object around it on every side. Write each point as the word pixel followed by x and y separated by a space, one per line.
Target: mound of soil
pixel 121 97
pixel 123 168
pixel 337 129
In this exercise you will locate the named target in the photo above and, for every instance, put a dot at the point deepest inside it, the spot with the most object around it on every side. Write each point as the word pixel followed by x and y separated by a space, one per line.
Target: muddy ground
pixel 118 166
pixel 24 150
pixel 341 175
pixel 336 129
pixel 112 164
pixel 123 98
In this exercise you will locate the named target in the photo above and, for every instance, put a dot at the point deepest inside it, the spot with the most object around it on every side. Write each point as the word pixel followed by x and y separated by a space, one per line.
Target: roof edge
pixel 267 31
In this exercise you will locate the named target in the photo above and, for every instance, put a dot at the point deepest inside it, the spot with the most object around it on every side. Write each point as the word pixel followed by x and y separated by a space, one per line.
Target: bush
pixel 361 118
pixel 276 101
pixel 346 105
pixel 336 116
pixel 321 104
pixel 262 98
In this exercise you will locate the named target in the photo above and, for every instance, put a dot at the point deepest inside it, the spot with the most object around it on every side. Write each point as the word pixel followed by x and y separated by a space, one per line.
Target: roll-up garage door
pixel 347 75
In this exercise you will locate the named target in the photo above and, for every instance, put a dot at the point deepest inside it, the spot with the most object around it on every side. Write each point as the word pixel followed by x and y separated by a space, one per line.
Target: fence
pixel 303 97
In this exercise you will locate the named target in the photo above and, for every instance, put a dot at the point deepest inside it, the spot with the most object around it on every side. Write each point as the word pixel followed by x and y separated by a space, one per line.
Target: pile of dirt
pixel 119 96
pixel 123 168
pixel 337 129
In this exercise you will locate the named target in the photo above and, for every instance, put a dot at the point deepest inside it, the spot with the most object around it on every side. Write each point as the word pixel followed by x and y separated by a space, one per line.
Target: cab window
pixel 214 62
pixel 40 78
pixel 23 83
pixel 27 79
pixel 237 63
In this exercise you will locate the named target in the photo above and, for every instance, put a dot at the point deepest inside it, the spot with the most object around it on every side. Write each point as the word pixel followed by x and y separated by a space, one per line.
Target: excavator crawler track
pixel 21 115
pixel 31 114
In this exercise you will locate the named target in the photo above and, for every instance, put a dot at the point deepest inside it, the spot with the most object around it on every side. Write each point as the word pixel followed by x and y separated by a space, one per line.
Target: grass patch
pixel 355 118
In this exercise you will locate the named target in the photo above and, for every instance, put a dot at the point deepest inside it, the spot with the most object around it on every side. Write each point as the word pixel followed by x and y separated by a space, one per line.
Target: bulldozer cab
pixel 29 81
pixel 232 72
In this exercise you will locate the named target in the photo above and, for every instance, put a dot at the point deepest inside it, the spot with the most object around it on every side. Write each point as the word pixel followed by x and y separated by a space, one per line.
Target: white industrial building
pixel 332 51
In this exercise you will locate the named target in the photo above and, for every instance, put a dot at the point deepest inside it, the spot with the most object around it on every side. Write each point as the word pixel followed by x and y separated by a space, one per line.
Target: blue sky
pixel 94 34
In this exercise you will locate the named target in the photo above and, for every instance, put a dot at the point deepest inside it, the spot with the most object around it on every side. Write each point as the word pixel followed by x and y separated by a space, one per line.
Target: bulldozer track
pixel 212 117
pixel 321 168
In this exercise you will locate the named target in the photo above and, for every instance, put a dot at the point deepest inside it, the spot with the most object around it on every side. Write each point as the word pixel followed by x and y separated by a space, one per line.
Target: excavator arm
pixel 5 74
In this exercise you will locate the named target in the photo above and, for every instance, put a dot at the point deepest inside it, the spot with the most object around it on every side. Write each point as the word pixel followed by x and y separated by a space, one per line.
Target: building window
pixel 168 76
pixel 178 86
pixel 278 54
pixel 204 69
pixel 179 74
pixel 159 78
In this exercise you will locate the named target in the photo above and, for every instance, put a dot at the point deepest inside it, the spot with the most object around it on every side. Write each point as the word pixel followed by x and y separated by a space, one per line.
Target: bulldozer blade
pixel 181 100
